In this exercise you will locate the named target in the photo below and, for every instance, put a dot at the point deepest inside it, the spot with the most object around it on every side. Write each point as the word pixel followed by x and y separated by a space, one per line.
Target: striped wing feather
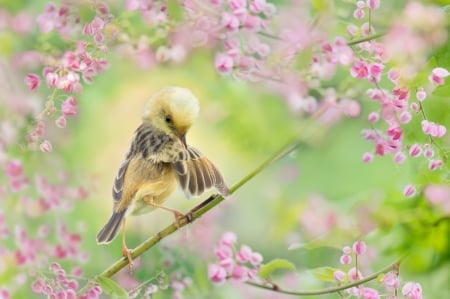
pixel 196 174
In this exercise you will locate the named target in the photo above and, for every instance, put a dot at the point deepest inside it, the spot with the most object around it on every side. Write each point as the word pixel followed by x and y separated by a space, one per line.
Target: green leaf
pixel 324 273
pixel 276 264
pixel 112 288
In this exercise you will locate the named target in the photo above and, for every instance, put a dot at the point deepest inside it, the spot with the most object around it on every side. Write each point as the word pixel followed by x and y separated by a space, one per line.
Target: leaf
pixel 324 273
pixel 112 288
pixel 276 264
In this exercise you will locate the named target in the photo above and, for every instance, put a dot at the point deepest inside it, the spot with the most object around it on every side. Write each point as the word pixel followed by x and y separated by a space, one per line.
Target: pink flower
pixel 433 129
pixel 375 70
pixel 347 250
pixel 391 280
pixel 369 293
pixel 345 259
pixel 373 4
pixel 435 164
pixel 223 252
pixel 405 117
pixel 14 169
pixel 132 4
pixel 358 13
pixel 409 190
pixel 228 238
pixel 354 275
pixel 393 75
pixel 438 75
pixel 256 259
pixel 216 274
pixel 412 290
pixel 244 254
pixel 230 22
pixel 415 150
pixel 359 70
pixel 61 122
pixel 421 94
pixel 69 106
pixel 399 157
pixel 373 117
pixel 359 247
pixel 46 146
pixel 33 81
pixel 239 273
pixel 339 276
pixel 224 63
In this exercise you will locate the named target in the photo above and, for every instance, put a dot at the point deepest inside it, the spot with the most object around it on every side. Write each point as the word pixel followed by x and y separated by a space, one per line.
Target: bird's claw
pixel 127 253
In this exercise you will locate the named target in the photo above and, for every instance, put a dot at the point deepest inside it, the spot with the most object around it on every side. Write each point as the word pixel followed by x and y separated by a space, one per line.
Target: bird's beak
pixel 183 140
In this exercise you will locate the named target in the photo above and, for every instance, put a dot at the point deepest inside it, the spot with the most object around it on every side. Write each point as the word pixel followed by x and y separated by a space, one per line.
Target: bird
pixel 158 159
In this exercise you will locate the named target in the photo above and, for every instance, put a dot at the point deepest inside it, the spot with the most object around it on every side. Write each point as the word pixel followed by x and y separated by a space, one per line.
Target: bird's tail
pixel 110 230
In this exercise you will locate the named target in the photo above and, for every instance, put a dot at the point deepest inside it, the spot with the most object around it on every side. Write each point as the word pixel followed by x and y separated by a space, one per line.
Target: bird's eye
pixel 168 119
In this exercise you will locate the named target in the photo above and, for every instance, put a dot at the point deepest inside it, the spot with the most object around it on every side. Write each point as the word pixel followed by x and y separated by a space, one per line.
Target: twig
pixel 366 38
pixel 276 288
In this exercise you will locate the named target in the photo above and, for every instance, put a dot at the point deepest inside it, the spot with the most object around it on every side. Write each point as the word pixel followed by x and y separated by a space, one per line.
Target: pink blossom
pixel 230 22
pixel 48 20
pixel 14 169
pixel 373 117
pixel 373 4
pixel 359 70
pixel 438 195
pixel 352 29
pixel 223 252
pixel 391 280
pixel 415 150
pixel 224 63
pixel 256 259
pixel 133 4
pixel 435 164
pixel 359 247
pixel 375 70
pixel 347 250
pixel 358 13
pixel 369 293
pixel 438 75
pixel 61 122
pixel 354 275
pixel 345 259
pixel 244 254
pixel 393 75
pixel 46 146
pixel 33 81
pixel 421 94
pixel 216 274
pixel 239 273
pixel 412 290
pixel 405 117
pixel 339 276
pixel 433 129
pixel 257 6
pixel 228 239
pixel 428 152
pixel 409 190
pixel 399 157
pixel 4 293
pixel 69 106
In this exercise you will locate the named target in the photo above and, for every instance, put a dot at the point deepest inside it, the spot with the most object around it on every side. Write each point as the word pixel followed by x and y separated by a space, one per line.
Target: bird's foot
pixel 127 253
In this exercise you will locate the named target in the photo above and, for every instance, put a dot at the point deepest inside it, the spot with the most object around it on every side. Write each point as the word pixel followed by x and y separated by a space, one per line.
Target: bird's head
pixel 173 110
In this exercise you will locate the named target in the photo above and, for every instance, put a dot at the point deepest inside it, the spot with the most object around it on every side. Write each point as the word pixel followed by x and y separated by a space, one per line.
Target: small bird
pixel 158 158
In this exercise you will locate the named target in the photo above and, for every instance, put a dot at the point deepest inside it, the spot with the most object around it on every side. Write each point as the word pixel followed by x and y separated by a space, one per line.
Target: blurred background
pixel 304 207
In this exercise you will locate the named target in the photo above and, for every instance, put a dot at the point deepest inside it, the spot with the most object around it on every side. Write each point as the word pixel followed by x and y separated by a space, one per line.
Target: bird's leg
pixel 125 251
pixel 149 200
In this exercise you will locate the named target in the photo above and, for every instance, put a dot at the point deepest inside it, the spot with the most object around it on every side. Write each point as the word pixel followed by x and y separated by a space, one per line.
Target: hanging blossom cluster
pixel 390 280
pixel 240 265
pixel 404 101
pixel 64 70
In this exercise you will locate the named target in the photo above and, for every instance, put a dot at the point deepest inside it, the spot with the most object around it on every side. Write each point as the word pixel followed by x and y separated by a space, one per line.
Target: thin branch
pixel 276 288
pixel 366 38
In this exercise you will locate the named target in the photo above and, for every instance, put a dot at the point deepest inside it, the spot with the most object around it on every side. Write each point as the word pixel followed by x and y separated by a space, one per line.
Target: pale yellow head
pixel 173 110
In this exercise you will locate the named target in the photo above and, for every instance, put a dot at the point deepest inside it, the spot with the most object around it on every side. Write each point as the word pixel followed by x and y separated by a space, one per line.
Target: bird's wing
pixel 196 173
pixel 118 181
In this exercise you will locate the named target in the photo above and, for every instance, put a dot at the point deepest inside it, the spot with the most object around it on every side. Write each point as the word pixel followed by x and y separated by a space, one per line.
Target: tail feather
pixel 110 230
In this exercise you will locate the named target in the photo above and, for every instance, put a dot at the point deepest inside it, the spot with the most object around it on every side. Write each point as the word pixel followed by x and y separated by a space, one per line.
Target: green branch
pixel 366 38
pixel 276 288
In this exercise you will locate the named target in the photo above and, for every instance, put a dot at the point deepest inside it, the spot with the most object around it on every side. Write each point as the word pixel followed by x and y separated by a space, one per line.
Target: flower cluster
pixel 390 280
pixel 240 265
pixel 62 286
